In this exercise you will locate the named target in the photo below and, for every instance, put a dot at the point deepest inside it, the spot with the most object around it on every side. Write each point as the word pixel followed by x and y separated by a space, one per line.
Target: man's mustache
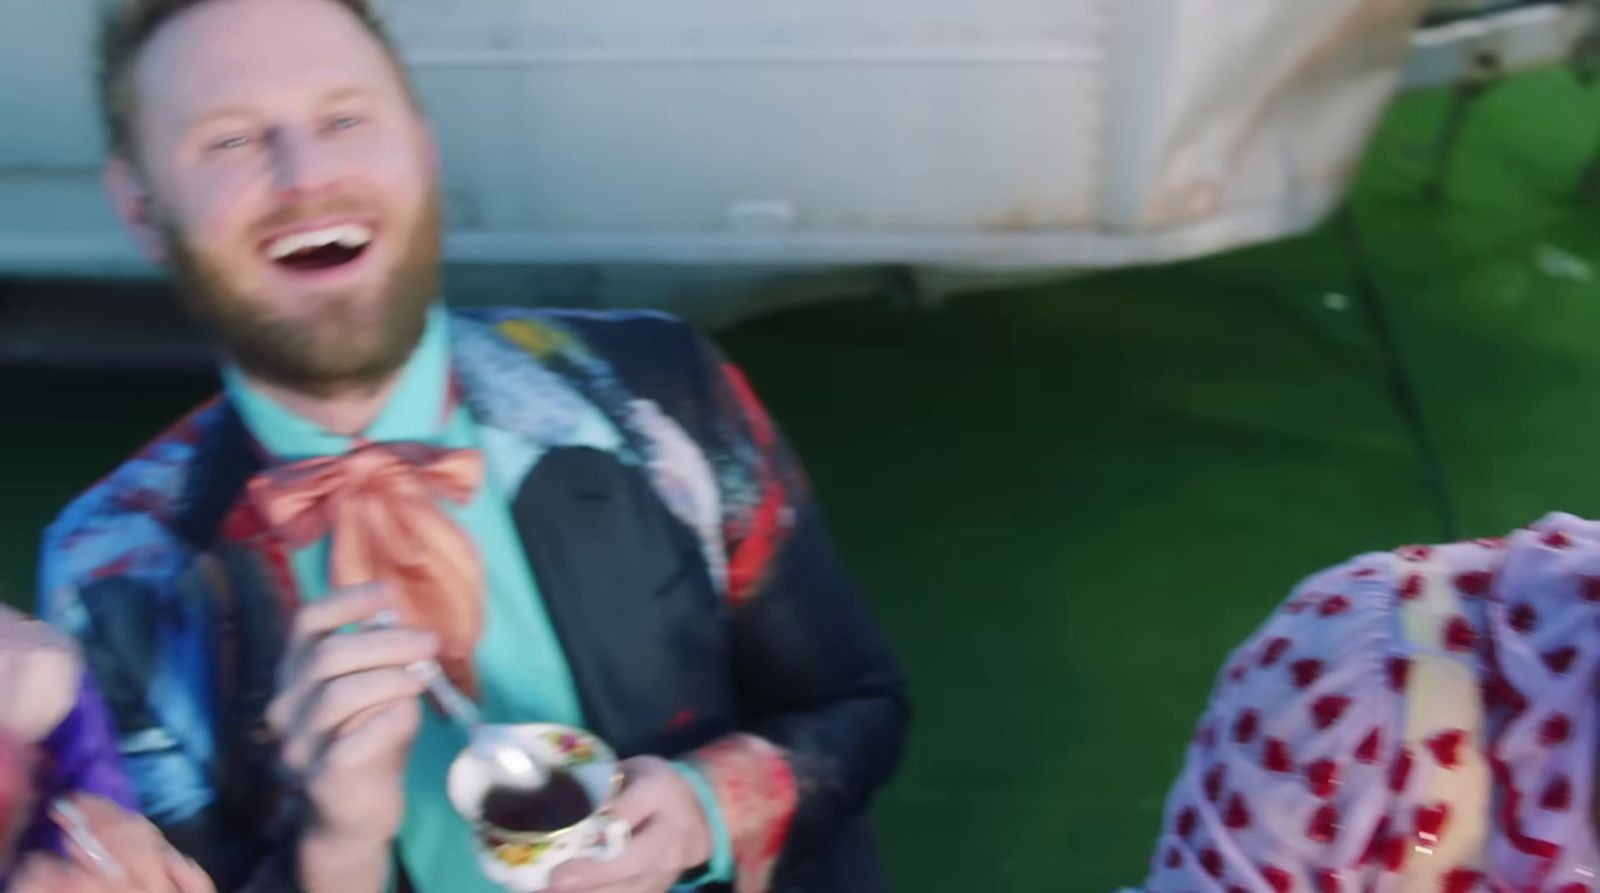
pixel 290 215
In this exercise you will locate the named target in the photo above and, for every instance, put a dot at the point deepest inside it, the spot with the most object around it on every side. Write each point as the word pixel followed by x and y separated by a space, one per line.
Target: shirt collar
pixel 415 410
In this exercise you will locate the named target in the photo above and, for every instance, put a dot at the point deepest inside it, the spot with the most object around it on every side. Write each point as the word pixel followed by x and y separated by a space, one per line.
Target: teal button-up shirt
pixel 523 673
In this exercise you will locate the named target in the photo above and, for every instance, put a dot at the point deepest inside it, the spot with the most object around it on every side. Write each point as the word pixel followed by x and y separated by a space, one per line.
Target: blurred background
pixel 1098 322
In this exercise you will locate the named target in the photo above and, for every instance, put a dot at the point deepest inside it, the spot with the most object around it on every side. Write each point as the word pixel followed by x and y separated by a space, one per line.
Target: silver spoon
pixel 491 743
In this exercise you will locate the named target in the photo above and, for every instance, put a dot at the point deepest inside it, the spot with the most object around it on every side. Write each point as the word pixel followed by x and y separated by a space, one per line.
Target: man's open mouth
pixel 320 249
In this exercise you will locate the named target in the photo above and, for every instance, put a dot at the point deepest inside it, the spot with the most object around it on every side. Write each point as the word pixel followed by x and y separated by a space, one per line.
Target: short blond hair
pixel 127 26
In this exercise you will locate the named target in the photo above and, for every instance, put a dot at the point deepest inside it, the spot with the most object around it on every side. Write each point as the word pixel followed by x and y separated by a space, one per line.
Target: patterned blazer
pixel 700 603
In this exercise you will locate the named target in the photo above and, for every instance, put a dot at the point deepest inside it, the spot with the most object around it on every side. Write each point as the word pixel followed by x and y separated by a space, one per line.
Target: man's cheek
pixel 219 243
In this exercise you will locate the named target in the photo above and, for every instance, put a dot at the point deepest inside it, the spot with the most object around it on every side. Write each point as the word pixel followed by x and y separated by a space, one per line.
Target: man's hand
pixel 346 713
pixel 141 859
pixel 670 835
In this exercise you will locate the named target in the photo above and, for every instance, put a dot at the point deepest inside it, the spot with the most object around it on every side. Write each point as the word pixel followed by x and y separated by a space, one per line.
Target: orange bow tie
pixel 380 503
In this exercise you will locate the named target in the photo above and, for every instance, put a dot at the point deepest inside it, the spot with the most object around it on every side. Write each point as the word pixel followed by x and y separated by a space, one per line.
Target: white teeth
pixel 347 235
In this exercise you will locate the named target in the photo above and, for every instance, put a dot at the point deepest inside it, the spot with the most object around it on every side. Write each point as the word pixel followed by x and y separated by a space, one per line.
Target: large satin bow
pixel 381 505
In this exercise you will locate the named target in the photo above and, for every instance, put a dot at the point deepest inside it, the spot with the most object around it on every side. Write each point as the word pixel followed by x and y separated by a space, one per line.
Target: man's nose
pixel 300 162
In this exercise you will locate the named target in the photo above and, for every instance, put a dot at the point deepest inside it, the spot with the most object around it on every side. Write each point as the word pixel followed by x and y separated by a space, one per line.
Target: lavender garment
pixel 1421 721
pixel 80 756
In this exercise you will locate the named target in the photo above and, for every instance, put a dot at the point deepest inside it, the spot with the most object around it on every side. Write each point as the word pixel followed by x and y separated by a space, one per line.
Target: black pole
pixel 1402 387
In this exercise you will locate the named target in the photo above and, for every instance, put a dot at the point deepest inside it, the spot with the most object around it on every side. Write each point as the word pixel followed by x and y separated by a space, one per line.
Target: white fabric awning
pixel 992 134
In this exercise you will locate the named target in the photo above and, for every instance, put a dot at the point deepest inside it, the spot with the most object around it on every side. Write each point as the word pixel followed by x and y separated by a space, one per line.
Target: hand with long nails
pixel 109 849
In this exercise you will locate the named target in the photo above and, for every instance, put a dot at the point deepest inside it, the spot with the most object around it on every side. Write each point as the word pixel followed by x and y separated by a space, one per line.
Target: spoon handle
pixel 455 705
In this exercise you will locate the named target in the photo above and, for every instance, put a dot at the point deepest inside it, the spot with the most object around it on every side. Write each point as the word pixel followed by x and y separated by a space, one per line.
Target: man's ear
pixel 131 199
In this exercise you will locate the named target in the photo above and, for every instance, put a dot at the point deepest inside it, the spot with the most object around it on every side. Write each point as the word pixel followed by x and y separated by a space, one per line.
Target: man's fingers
pixel 339 608
pixel 635 805
pixel 391 728
pixel 355 652
pixel 338 656
pixel 315 620
pixel 637 802
pixel 642 856
pixel 346 698
pixel 338 709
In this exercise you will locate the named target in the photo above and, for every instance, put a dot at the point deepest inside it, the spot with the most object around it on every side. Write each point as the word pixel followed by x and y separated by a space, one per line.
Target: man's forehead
pixel 243 52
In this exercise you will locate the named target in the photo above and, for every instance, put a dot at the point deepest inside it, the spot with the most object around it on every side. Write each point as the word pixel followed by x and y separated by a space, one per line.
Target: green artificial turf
pixel 1071 501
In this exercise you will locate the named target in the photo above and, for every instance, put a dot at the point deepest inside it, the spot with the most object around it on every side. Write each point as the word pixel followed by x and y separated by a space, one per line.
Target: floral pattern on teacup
pixel 516 853
pixel 576 750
